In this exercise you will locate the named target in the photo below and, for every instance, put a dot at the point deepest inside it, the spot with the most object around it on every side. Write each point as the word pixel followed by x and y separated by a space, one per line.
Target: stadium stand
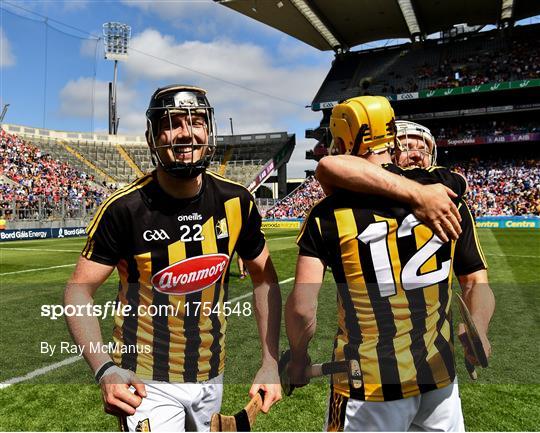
pixel 40 187
pixel 502 186
pixel 483 128
pixel 108 159
pixel 242 157
pixel 54 148
pixel 140 156
pixel 121 159
pixel 82 168
pixel 497 187
pixel 472 59
pixel 298 202
pixel 126 156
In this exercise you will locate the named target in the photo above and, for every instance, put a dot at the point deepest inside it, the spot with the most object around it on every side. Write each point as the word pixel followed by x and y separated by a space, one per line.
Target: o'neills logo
pixel 190 275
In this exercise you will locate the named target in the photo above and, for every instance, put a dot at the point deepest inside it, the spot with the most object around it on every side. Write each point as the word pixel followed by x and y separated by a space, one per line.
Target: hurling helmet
pixel 407 129
pixel 180 99
pixel 362 125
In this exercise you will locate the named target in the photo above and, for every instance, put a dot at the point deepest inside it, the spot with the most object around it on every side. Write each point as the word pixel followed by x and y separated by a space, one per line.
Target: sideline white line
pixel 71 360
pixel 78 251
pixel 278 239
pixel 40 249
pixel 39 371
pixel 36 269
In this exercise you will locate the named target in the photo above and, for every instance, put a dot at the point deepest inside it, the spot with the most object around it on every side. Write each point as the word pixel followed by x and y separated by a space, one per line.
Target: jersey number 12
pixel 376 236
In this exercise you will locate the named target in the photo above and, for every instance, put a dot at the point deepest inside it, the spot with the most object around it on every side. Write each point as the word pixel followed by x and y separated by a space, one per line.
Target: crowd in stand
pixel 496 187
pixel 39 186
pixel 521 61
pixel 35 185
pixel 502 187
pixel 299 202
pixel 477 129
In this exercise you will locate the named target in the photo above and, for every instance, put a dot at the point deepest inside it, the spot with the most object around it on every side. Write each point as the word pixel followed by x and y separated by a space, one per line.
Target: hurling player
pixel 393 281
pixel 170 235
pixel 416 147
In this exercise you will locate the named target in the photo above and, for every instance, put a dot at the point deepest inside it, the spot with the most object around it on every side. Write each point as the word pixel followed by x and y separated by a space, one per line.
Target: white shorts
pixel 176 407
pixel 438 410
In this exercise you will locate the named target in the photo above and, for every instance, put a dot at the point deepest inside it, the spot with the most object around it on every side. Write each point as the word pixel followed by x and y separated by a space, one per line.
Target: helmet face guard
pixel 362 125
pixel 191 103
pixel 424 141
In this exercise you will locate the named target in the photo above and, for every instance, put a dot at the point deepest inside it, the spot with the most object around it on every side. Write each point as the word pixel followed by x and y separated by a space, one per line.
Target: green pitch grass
pixel 506 397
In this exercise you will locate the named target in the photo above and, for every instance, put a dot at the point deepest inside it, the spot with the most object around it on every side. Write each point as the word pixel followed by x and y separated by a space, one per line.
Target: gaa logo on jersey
pixel 190 275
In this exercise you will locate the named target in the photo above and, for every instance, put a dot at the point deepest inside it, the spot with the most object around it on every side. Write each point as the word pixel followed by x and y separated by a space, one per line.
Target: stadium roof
pixel 343 24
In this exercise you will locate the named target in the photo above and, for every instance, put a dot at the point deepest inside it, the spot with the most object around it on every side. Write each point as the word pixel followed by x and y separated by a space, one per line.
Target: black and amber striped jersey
pixel 393 289
pixel 173 260
pixel 468 254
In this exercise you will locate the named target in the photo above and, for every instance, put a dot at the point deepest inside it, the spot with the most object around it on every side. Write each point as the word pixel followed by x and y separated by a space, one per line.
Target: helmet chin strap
pixel 186 171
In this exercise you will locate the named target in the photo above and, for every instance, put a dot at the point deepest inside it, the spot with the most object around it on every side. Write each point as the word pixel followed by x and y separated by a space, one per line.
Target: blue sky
pixel 55 76
pixel 50 78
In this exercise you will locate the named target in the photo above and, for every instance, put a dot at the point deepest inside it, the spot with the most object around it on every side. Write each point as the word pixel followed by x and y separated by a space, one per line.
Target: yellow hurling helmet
pixel 362 125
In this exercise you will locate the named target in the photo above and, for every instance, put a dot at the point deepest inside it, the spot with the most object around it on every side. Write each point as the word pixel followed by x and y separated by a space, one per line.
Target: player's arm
pixel 471 270
pixel 480 300
pixel 87 277
pixel 431 204
pixel 301 313
pixel 267 306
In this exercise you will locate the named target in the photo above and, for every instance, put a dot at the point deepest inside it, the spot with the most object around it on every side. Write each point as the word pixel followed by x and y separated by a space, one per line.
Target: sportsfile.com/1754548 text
pixel 115 308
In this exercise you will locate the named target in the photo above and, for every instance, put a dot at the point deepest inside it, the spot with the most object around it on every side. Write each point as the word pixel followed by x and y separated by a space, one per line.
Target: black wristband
pixel 103 369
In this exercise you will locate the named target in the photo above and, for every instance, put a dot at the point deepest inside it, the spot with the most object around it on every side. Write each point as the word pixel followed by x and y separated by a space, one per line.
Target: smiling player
pixel 171 234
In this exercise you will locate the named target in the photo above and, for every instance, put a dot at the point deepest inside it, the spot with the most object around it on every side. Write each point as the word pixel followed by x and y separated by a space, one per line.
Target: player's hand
pixel 467 349
pixel 434 207
pixel 267 379
pixel 118 399
pixel 296 369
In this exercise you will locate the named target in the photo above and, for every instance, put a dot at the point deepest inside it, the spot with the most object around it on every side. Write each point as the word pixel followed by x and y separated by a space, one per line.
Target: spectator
pixel 299 202
pixel 42 186
pixel 496 187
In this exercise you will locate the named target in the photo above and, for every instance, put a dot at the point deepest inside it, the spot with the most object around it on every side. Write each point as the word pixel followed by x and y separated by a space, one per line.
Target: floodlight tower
pixel 4 111
pixel 116 40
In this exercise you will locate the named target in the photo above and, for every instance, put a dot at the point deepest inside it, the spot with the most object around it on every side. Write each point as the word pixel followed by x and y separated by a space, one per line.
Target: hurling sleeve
pixel 455 181
pixel 468 254
pixel 310 239
pixel 104 239
pixel 251 240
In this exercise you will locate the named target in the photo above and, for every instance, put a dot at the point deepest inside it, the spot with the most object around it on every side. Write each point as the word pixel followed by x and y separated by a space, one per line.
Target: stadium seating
pixel 496 187
pixel 39 186
pixel 57 151
pixel 298 203
pixel 77 171
pixel 108 159
pixel 475 59
pixel 140 154
pixel 502 187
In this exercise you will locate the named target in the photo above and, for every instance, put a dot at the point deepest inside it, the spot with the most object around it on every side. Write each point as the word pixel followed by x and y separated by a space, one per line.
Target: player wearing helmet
pixel 430 203
pixel 187 154
pixel 170 235
pixel 392 275
pixel 416 147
